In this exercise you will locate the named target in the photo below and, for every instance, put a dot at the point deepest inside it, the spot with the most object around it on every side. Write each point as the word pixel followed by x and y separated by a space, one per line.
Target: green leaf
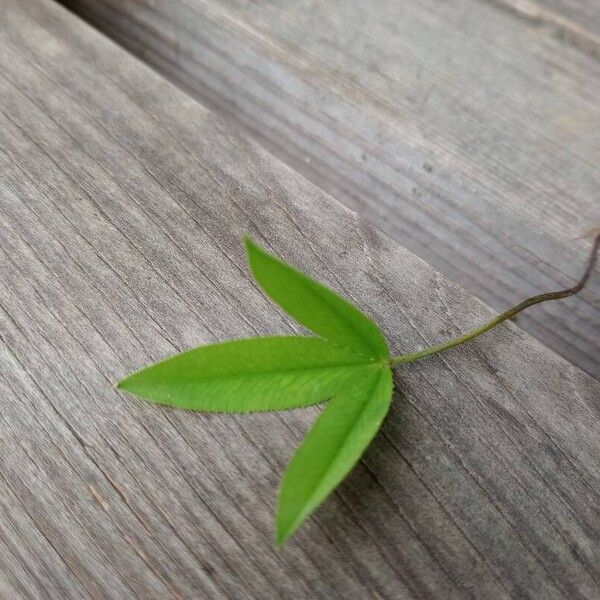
pixel 315 306
pixel 349 362
pixel 268 373
pixel 333 446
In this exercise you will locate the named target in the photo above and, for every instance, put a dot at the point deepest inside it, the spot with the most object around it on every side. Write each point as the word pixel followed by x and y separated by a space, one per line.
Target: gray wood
pixel 577 22
pixel 122 205
pixel 468 130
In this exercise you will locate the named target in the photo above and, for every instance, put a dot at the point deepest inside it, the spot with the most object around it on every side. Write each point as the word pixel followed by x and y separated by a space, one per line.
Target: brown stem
pixel 507 314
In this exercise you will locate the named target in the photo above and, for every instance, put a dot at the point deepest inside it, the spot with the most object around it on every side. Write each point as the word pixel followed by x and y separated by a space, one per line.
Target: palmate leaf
pixel 348 362
pixel 256 374
pixel 315 306
pixel 333 446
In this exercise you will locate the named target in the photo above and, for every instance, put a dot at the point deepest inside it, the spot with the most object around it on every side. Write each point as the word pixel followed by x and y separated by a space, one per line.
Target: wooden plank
pixel 122 206
pixel 464 130
pixel 577 22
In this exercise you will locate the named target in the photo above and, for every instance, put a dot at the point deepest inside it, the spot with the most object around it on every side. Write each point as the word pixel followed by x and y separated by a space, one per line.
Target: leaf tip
pixel 253 255
pixel 123 384
pixel 287 520
pixel 251 250
pixel 282 533
pixel 249 244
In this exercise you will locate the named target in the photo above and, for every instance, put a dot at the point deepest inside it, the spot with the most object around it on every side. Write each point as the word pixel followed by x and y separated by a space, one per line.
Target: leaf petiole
pixel 507 314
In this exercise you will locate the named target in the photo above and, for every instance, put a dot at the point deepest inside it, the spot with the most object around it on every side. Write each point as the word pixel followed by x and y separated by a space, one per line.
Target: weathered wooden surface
pixel 577 22
pixel 468 130
pixel 122 204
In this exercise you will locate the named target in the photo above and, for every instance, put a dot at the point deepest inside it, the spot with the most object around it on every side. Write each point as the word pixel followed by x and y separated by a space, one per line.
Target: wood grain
pixel 576 22
pixel 468 130
pixel 122 205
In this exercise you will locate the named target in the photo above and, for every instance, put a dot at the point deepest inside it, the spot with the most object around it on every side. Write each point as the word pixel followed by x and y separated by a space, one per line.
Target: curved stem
pixel 507 314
